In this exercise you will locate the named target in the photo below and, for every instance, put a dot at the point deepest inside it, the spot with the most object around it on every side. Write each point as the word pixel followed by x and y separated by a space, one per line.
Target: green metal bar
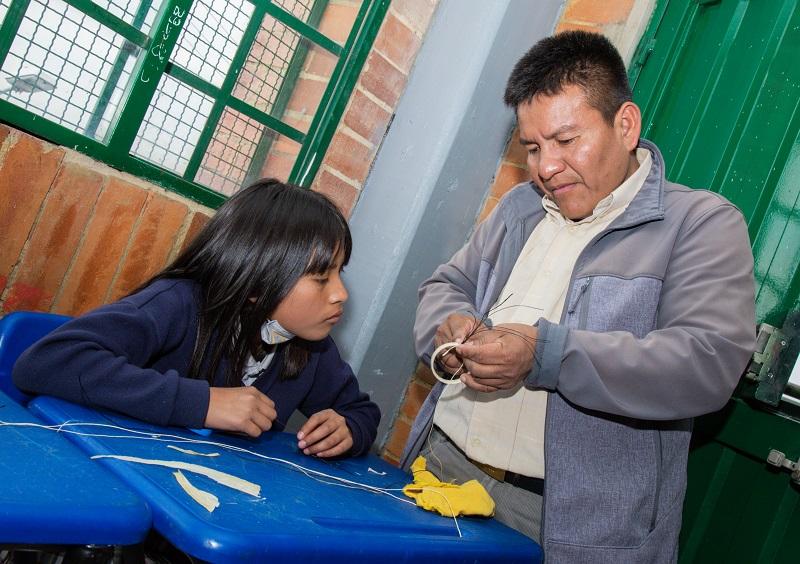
pixel 11 23
pixel 127 50
pixel 212 91
pixel 301 27
pixel 110 21
pixel 34 124
pixel 678 44
pixel 248 37
pixel 338 92
pixel 647 43
pixel 190 79
pixel 266 119
pixel 284 95
pixel 148 74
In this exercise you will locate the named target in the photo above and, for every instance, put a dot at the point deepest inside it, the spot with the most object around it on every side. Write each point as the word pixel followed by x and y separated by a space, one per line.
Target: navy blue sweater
pixel 132 356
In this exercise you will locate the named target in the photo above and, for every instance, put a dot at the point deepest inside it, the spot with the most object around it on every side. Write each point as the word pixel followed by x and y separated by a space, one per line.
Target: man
pixel 603 308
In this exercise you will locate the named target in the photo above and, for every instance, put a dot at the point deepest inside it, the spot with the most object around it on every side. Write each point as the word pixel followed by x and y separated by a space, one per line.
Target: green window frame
pixel 125 107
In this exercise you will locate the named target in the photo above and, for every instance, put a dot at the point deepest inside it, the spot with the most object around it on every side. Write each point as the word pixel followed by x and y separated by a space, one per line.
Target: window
pixel 200 96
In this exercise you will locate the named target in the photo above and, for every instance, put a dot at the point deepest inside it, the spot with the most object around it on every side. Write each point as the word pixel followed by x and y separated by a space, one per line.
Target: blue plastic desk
pixel 52 493
pixel 297 519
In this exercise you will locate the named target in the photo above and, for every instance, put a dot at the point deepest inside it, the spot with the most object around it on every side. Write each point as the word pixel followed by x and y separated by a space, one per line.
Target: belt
pixel 528 483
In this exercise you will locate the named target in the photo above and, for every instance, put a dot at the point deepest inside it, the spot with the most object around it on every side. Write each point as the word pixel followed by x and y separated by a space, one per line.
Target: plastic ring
pixel 453 378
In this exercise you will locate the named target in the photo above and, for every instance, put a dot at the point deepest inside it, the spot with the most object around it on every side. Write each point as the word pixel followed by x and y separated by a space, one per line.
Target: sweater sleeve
pixel 690 364
pixel 335 387
pixel 453 285
pixel 104 359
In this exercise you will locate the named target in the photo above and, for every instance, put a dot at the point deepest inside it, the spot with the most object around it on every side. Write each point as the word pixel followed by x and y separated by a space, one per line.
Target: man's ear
pixel 629 122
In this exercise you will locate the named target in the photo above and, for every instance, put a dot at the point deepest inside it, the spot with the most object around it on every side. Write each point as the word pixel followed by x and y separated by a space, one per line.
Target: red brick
pixel 516 153
pixel 572 26
pixel 278 166
pixel 109 231
pixel 320 62
pixel 26 173
pixel 151 244
pixel 350 157
pixel 337 21
pixel 343 194
pixel 491 203
pixel 415 395
pixel 424 375
pixel 4 132
pixel 507 177
pixel 196 224
pixel 53 242
pixel 397 42
pixel 397 440
pixel 417 13
pixel 306 96
pixel 390 459
pixel 382 79
pixel 598 11
pixel 366 118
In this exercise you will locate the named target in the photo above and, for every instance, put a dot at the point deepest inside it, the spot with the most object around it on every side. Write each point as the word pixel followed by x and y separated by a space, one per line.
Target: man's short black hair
pixel 584 59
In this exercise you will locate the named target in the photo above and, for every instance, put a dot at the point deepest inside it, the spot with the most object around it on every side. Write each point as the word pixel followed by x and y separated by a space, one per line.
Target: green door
pixel 718 82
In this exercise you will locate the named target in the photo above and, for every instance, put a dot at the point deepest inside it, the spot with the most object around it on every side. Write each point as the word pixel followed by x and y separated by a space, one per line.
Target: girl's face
pixel 315 304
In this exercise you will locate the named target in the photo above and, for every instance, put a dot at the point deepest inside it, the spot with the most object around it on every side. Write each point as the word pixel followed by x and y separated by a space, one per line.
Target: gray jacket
pixel 657 328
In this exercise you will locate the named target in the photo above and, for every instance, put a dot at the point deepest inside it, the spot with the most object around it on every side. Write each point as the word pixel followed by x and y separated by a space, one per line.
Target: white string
pixel 165 437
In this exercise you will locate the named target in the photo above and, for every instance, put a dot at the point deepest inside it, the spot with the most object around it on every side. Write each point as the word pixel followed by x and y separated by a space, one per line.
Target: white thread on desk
pixel 144 435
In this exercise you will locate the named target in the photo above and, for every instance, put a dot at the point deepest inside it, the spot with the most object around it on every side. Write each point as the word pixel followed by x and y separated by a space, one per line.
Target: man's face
pixel 574 155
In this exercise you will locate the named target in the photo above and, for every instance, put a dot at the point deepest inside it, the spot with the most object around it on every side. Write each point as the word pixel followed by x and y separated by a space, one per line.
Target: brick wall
pixel 621 21
pixel 77 234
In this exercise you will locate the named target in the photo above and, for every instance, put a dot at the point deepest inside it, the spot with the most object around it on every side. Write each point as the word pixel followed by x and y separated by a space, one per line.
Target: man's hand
pixel 244 409
pixel 325 434
pixel 498 359
pixel 454 329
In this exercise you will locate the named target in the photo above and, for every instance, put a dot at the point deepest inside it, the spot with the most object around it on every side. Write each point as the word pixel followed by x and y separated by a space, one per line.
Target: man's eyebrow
pixel 568 128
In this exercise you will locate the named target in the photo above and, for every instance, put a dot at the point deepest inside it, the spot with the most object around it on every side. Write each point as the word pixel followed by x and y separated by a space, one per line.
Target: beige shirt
pixel 506 428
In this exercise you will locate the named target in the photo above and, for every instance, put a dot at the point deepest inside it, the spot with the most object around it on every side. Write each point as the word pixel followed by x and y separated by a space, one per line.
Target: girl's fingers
pixel 325 434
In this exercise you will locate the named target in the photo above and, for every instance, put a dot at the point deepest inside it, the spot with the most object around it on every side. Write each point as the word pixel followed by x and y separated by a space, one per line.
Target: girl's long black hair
pixel 246 260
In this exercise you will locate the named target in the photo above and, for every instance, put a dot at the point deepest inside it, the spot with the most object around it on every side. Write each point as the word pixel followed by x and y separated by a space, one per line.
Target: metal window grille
pixel 201 96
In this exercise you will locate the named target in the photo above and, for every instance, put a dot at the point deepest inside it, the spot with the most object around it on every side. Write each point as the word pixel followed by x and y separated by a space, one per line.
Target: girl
pixel 233 335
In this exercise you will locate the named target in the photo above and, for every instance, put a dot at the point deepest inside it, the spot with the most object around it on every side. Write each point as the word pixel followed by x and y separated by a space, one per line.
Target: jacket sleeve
pixel 690 364
pixel 100 359
pixel 453 285
pixel 335 387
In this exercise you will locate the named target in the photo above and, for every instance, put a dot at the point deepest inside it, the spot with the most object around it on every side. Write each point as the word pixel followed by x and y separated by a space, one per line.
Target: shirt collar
pixel 618 199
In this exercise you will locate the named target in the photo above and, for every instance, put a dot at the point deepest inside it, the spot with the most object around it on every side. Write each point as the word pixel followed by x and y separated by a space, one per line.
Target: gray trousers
pixel 519 509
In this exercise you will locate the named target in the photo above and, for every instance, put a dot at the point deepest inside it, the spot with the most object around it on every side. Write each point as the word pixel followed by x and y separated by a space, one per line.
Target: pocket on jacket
pixel 613 303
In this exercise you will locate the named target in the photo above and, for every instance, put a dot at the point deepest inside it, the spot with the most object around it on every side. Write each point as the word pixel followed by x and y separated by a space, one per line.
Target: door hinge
pixel 778 459
pixel 644 53
pixel 772 362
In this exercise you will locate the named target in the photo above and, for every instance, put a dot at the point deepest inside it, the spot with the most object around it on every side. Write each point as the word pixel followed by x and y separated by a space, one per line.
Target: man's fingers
pixel 478 351
pixel 472 383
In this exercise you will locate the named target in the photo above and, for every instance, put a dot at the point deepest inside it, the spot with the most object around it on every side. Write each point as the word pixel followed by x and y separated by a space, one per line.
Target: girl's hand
pixel 244 409
pixel 325 434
